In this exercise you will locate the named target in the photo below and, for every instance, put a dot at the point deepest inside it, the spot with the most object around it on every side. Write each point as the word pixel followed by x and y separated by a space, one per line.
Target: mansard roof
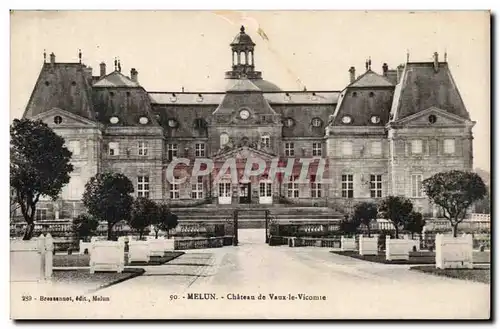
pixel 115 79
pixel 423 86
pixel 367 97
pixel 64 86
pixel 371 79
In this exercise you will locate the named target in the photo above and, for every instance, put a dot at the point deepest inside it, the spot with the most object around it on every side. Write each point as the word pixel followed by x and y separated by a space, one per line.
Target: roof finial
pixel 116 64
pixel 80 56
pixel 182 88
pixel 242 29
pixel 407 55
pixel 119 66
pixel 369 63
pixel 44 56
pixel 366 65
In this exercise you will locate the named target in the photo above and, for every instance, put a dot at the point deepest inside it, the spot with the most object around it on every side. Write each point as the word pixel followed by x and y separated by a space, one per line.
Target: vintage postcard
pixel 250 165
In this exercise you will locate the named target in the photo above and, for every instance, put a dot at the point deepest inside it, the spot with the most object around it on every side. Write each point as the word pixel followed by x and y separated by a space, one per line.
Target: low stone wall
pixel 314 242
pixel 198 243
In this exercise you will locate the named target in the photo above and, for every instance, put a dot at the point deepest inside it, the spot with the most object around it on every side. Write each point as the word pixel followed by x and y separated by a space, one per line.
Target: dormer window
pixel 432 118
pixel 47 83
pixel 199 99
pixel 114 120
pixel 111 93
pixel 58 120
pixel 288 122
pixel 346 119
pixel 375 119
pixel 73 83
pixel 143 120
pixel 371 94
pixel 316 122
pixel 172 123
pixel 287 97
pixel 354 94
pixel 173 98
pixel 199 123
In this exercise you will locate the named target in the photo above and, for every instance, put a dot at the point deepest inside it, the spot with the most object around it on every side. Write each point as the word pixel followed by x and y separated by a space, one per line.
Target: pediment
pixel 69 119
pixel 243 152
pixel 442 118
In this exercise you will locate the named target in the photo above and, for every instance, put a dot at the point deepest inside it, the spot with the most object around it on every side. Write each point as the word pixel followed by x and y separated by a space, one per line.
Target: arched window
pixel 242 57
pixel 224 139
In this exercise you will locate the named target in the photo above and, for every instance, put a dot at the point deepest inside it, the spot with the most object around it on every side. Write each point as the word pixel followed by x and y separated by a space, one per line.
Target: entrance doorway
pixel 265 192
pixel 245 192
pixel 224 193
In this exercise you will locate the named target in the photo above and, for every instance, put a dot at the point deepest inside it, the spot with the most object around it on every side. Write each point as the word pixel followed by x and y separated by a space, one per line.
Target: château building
pixel 380 135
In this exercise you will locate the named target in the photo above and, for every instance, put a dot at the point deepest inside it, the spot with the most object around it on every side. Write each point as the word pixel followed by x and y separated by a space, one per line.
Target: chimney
pixel 436 62
pixel 134 74
pixel 103 69
pixel 352 74
pixel 52 58
pixel 385 68
pixel 401 67
pixel 88 73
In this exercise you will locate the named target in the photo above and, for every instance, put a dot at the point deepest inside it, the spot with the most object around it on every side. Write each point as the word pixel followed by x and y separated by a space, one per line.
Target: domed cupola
pixel 243 64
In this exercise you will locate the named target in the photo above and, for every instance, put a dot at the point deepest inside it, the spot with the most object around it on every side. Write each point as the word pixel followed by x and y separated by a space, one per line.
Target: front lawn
pixel 93 282
pixel 419 257
pixel 480 273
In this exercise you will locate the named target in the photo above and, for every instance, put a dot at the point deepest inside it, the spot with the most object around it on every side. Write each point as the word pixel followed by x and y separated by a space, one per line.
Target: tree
pixel 166 220
pixel 454 191
pixel 107 197
pixel 84 226
pixel 39 166
pixel 416 223
pixel 348 225
pixel 483 205
pixel 144 213
pixel 364 213
pixel 396 209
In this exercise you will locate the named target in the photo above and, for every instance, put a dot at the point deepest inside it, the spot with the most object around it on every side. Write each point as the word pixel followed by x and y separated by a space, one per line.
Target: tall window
pixel 416 146
pixel 416 186
pixel 377 148
pixel 293 187
pixel 265 141
pixel 265 189
pixel 41 214
pixel 171 151
pixel 347 148
pixel 74 147
pixel 289 150
pixel 174 188
pixel 143 148
pixel 114 148
pixel 224 139
pixel 315 187
pixel 449 146
pixel 199 149
pixel 347 186
pixel 197 188
pixel 376 186
pixel 143 186
pixel 317 149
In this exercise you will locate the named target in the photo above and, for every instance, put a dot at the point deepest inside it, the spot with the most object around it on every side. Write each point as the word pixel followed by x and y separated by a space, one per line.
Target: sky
pixel 190 49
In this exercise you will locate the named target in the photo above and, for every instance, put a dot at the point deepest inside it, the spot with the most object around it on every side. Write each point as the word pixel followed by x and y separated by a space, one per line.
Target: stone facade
pixel 381 135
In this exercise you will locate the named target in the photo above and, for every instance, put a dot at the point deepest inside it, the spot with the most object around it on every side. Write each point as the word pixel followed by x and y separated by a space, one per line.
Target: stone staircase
pixel 253 216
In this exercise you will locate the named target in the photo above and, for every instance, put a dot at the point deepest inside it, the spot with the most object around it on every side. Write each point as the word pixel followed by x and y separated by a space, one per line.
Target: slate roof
pixel 422 87
pixel 184 116
pixel 302 116
pixel 242 85
pixel 64 86
pixel 371 79
pixel 215 98
pixel 369 95
pixel 128 104
pixel 115 79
